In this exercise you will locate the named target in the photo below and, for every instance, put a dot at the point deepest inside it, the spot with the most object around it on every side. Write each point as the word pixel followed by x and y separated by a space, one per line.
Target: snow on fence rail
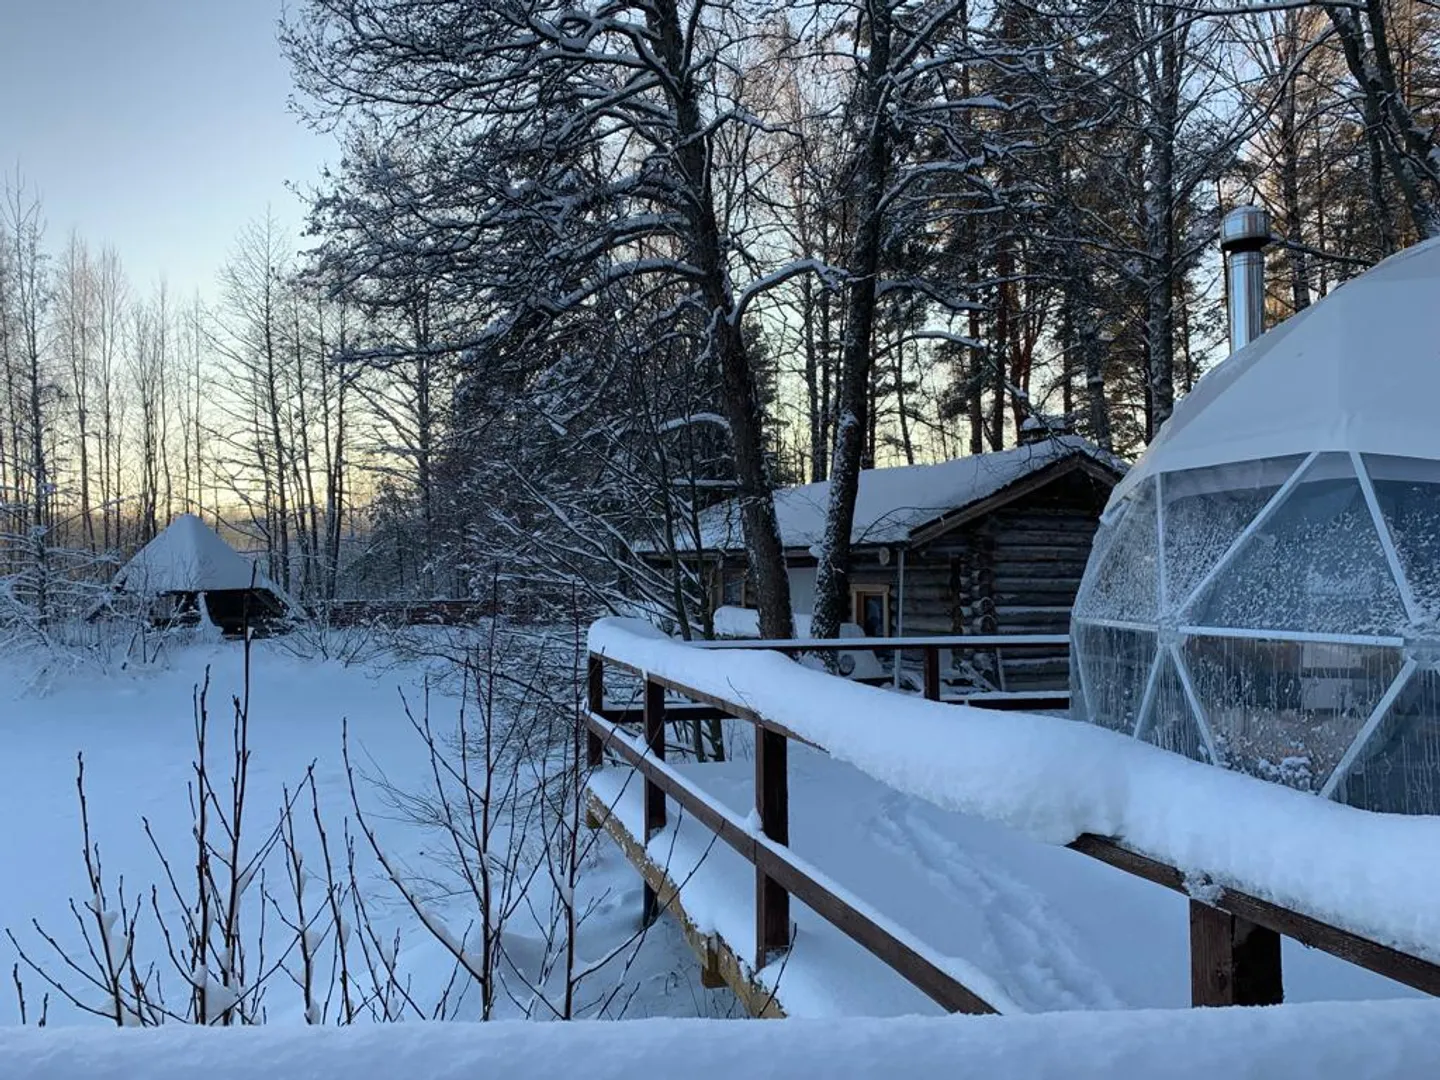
pixel 1367 1041
pixel 740 628
pixel 1257 859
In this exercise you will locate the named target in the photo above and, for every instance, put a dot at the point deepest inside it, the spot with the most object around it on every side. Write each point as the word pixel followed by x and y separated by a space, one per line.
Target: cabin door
pixel 870 609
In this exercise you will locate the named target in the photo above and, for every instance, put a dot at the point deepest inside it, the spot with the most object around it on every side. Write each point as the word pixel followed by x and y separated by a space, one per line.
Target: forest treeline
pixel 583 269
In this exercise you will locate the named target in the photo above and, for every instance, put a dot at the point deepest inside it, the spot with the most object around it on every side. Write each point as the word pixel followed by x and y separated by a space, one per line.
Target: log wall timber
pixel 1014 571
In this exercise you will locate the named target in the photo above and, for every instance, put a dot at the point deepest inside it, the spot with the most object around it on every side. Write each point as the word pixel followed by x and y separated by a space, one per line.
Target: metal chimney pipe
pixel 1244 235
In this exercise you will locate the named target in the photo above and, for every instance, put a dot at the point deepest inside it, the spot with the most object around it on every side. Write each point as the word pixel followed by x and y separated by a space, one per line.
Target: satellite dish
pixel 884 556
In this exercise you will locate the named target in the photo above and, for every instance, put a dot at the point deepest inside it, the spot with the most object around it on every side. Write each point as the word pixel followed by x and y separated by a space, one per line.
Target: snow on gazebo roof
pixel 189 556
pixel 892 503
pixel 1358 370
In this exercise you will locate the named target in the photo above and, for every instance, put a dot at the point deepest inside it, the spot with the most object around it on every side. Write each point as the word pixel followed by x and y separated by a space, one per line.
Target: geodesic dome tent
pixel 1264 590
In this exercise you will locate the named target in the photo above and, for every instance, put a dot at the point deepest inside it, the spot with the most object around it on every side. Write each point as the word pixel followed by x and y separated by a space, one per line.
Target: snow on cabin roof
pixel 1358 370
pixel 188 556
pixel 891 503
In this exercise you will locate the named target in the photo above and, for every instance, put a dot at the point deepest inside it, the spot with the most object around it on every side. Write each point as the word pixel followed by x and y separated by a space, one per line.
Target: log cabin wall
pixel 1015 570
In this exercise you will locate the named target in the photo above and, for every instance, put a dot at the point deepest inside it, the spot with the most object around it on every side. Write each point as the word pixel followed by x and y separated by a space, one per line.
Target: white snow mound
pixel 1348 1041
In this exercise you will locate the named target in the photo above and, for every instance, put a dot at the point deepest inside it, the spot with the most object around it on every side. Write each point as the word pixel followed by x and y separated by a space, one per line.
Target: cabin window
pixel 870 609
pixel 733 591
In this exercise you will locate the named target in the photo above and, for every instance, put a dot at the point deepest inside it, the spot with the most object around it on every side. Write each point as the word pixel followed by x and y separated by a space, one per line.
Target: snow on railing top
pixel 1376 875
pixel 1330 1041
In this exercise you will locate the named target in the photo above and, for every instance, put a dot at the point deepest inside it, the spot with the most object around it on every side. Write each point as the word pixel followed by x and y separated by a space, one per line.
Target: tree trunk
pixel 832 577
pixel 1095 384
pixel 1290 194
pixel 737 376
pixel 1160 300
pixel 1409 148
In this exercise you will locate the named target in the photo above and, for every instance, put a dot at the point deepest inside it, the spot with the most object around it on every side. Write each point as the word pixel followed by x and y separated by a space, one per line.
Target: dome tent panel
pixel 1408 493
pixel 1125 585
pixel 1396 768
pixel 1205 511
pixel 1110 668
pixel 1287 710
pixel 1169 721
pixel 1315 564
pixel 1100 545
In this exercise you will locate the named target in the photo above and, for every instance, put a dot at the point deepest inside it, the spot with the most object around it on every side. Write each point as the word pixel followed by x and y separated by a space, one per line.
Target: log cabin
pixel 988 544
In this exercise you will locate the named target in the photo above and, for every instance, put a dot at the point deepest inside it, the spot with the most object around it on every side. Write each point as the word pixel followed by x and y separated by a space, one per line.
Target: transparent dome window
pixel 1278 617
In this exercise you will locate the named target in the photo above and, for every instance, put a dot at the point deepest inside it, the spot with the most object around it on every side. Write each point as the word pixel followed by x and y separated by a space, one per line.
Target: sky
pixel 159 127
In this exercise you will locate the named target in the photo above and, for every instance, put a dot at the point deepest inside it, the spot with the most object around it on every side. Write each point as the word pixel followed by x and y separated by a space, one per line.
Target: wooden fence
pixel 930 649
pixel 1234 937
pixel 392 613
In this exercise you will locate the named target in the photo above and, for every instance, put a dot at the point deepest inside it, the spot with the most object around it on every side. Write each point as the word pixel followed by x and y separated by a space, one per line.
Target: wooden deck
pixel 1232 954
pixel 1029 927
pixel 719 963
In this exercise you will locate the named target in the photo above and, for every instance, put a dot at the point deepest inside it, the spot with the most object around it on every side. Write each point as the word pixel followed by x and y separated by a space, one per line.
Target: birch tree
pixel 31 394
pixel 250 339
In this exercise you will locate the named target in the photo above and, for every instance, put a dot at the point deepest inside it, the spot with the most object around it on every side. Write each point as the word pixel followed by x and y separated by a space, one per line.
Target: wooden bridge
pixel 1234 945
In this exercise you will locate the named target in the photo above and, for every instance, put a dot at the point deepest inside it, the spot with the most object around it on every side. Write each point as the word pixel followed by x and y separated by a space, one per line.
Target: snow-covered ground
pixel 1052 930
pixel 136 731
pixel 1393 1041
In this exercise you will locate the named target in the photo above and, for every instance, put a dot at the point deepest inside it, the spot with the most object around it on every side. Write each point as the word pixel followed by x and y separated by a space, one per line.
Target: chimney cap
pixel 1039 426
pixel 1246 228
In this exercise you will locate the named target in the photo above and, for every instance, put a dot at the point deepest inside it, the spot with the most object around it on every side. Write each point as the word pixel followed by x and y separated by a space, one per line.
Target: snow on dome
pixel 1264 589
pixel 1359 370
pixel 188 556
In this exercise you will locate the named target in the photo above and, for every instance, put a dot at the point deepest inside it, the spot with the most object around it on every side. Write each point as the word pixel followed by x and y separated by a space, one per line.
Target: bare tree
pixel 649 214
pixel 250 338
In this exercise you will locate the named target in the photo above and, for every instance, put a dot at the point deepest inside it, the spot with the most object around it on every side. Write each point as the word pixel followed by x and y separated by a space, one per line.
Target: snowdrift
pixel 1320 1042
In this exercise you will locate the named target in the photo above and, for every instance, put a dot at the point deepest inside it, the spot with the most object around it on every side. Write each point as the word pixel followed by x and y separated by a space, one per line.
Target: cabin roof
pixel 893 504
pixel 189 556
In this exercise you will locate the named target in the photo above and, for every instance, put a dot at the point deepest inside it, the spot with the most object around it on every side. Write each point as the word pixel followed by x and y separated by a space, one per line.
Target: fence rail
pixel 867 644
pixel 1234 937
pixel 930 649
pixel 395 613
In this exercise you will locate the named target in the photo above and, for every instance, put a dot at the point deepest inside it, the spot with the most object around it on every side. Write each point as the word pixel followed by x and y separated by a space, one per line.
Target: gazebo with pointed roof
pixel 189 574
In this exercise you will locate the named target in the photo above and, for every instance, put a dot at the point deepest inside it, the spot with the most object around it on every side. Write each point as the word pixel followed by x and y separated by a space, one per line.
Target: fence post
pixel 1232 961
pixel 595 701
pixel 932 672
pixel 654 794
pixel 772 804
